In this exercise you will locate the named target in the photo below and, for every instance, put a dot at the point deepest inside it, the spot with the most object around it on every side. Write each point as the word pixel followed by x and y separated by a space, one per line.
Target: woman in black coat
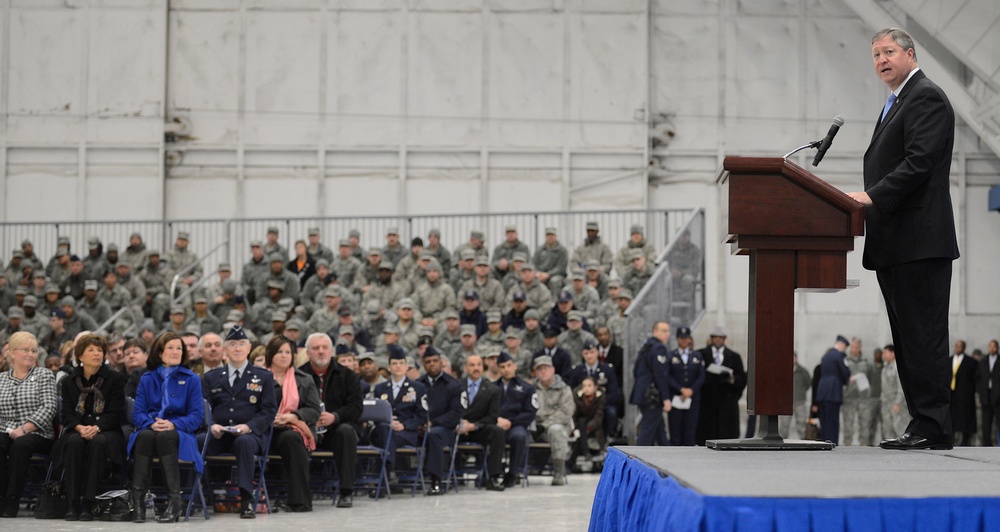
pixel 93 412
pixel 303 265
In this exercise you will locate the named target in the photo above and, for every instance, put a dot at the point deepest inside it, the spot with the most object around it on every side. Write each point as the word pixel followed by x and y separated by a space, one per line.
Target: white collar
pixel 903 84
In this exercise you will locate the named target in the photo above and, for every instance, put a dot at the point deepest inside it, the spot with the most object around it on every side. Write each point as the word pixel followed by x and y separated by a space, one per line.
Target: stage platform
pixel 846 489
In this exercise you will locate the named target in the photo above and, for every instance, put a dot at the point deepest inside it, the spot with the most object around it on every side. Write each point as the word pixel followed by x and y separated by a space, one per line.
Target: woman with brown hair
pixel 298 410
pixel 168 411
pixel 93 412
pixel 27 407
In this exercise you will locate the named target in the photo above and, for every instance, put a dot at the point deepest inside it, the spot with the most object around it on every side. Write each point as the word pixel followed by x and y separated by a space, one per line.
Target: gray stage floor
pixel 537 507
pixel 845 472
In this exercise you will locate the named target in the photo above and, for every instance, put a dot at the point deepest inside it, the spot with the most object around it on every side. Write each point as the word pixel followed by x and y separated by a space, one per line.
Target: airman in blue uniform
pixel 407 399
pixel 651 392
pixel 241 397
pixel 446 402
pixel 518 406
pixel 686 375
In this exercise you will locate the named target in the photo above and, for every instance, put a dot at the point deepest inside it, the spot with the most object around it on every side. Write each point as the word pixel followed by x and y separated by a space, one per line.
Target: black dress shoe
pixel 909 441
pixel 86 516
pixel 246 511
pixel 435 488
pixel 510 480
pixel 495 484
pixel 345 501
pixel 299 508
pixel 73 513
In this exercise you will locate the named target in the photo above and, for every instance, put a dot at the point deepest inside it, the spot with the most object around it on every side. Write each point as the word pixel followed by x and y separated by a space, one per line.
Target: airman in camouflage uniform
pixel 476 243
pixel 393 250
pixel 464 270
pixel 552 260
pixel 271 244
pixel 494 337
pixel 278 273
pixel 585 297
pixel 593 249
pixel 616 323
pixel 317 249
pixel 538 294
pixel 504 253
pixel 637 240
pixel 346 265
pixel 491 292
pixel 135 254
pixel 639 274
pixel 254 270
pixel 438 251
pixel 434 296
pixel 573 338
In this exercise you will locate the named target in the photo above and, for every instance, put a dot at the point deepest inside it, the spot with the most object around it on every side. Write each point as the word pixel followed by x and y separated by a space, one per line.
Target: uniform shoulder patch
pixel 534 400
pixel 464 399
pixel 423 402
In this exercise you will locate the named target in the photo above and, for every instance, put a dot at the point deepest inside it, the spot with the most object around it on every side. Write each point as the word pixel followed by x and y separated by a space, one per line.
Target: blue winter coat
pixel 185 409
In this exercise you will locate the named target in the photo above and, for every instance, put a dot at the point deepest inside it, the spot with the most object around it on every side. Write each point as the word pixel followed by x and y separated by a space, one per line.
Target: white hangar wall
pixel 367 107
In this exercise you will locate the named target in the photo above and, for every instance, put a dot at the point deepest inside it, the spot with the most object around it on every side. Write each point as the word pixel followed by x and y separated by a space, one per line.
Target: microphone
pixel 826 142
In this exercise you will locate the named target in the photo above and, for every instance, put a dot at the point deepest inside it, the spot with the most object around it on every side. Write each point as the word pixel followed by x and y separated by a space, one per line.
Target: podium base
pixel 768 439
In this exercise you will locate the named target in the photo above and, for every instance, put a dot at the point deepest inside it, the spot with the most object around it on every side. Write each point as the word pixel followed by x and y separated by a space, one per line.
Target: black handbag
pixel 114 506
pixel 52 501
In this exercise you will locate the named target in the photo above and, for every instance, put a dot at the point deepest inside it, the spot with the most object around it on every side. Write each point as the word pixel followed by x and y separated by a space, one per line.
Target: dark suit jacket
pixel 340 391
pixel 988 397
pixel 963 397
pixel 616 359
pixel 486 406
pixel 906 172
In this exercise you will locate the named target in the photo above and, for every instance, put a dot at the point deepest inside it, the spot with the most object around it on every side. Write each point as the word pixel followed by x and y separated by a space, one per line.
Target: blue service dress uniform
pixel 407 408
pixel 446 403
pixel 651 368
pixel 690 374
pixel 518 404
pixel 834 375
pixel 250 400
pixel 605 376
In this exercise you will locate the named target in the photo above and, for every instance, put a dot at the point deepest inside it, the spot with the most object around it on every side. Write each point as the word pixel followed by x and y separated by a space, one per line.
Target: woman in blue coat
pixel 168 411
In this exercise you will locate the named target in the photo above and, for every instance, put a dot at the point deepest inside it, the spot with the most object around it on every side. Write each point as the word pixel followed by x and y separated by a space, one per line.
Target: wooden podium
pixel 797 230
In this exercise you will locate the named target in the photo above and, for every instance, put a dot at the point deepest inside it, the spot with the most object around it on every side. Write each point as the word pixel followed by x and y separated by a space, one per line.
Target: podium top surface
pixel 771 196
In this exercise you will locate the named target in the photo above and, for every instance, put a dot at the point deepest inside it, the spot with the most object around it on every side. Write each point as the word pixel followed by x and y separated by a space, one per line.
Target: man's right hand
pixel 503 423
pixel 326 419
pixel 667 406
pixel 216 430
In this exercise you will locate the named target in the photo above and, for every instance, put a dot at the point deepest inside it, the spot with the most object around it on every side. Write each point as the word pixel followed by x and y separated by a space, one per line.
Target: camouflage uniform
pixel 538 296
pixel 623 260
pixel 347 269
pixel 593 250
pixel 491 293
pixel 433 299
pixel 553 261
pixel 572 341
pixel 853 409
pixel 178 259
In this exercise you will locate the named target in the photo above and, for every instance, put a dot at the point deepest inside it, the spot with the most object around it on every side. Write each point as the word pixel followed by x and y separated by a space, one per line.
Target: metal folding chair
pixel 378 412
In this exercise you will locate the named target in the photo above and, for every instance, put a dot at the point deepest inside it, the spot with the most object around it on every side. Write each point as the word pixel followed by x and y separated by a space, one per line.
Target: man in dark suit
pixel 446 402
pixel 719 417
pixel 479 423
pixel 963 395
pixel 241 397
pixel 610 354
pixel 407 399
pixel 910 233
pixel 834 375
pixel 562 360
pixel 340 391
pixel 988 378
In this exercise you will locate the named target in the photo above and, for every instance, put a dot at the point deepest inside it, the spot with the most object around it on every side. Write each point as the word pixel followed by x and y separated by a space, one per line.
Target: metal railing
pixel 675 293
pixel 206 274
pixel 205 235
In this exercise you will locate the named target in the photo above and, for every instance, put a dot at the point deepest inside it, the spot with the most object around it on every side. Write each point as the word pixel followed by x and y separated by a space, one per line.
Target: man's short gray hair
pixel 318 335
pixel 902 38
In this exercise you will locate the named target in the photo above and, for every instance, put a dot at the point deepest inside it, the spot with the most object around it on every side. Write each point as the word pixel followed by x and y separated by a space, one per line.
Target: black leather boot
pixel 173 512
pixel 138 505
pixel 172 476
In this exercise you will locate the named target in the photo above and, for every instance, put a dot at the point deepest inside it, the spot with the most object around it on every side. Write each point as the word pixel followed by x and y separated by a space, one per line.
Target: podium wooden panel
pixel 797 230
